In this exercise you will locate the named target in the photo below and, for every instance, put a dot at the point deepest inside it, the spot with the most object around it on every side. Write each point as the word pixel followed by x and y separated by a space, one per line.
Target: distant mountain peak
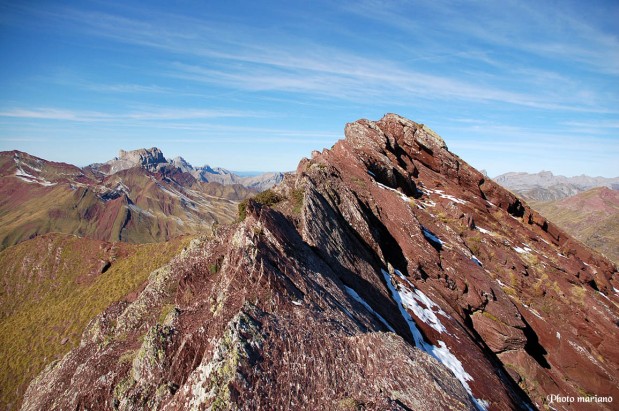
pixel 142 156
pixel 545 173
pixel 546 186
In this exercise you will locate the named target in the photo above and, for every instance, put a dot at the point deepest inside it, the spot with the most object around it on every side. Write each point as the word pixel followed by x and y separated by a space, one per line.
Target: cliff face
pixel 388 274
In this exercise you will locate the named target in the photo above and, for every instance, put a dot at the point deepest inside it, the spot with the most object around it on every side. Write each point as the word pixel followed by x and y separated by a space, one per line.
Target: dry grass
pixel 44 314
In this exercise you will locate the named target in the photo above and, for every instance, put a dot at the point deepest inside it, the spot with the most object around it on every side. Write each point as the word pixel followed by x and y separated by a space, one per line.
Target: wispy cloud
pixel 515 25
pixel 251 61
pixel 95 116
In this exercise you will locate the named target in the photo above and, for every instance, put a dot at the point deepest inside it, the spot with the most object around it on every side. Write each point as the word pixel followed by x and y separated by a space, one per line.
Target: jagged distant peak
pixel 143 156
pixel 182 164
pixel 179 160
pixel 215 170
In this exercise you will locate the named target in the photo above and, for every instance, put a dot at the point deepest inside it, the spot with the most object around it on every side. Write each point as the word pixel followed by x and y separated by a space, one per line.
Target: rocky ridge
pixel 387 274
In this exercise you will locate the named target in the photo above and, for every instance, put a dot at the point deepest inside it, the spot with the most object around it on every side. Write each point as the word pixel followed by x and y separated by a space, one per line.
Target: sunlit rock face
pixel 385 274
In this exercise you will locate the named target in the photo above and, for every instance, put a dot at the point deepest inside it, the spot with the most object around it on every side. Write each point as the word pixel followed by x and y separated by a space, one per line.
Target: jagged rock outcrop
pixel 390 275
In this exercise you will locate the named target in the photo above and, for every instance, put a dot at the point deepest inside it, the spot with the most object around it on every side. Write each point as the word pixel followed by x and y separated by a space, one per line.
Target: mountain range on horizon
pixel 138 197
pixel 545 186
pixel 153 160
pixel 383 274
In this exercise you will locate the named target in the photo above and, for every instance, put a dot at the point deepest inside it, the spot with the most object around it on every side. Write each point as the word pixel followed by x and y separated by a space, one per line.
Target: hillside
pixel 545 186
pixel 386 274
pixel 591 216
pixel 52 286
pixel 137 201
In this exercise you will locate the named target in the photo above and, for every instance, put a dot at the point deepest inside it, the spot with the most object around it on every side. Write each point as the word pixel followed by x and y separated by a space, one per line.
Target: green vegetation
pixel 578 294
pixel 46 284
pixel 267 198
pixel 473 242
pixel 298 196
pixel 490 316
pixel 349 404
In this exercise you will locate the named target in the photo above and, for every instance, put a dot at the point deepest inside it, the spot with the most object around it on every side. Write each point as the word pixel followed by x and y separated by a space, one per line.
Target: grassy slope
pixel 592 217
pixel 29 209
pixel 51 287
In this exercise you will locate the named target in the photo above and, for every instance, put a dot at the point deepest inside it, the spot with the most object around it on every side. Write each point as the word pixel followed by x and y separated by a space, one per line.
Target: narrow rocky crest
pixel 386 274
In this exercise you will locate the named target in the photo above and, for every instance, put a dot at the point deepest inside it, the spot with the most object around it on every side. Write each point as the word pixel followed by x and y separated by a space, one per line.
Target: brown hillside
pixel 136 204
pixel 592 217
pixel 50 289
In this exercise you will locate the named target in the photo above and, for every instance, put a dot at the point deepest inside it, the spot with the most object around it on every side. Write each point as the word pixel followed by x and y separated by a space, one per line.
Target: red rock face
pixel 392 276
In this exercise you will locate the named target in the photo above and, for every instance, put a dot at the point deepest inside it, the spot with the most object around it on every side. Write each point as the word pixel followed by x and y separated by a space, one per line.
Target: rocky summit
pixel 385 274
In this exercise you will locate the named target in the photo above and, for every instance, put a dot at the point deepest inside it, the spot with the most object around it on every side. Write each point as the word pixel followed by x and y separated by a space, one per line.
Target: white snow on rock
pixel 483 230
pixel 427 203
pixel 428 234
pixel 423 307
pixel 28 178
pixel 404 197
pixel 476 261
pixel 524 250
pixel 442 194
pixel 403 297
pixel 358 298
pixel 534 312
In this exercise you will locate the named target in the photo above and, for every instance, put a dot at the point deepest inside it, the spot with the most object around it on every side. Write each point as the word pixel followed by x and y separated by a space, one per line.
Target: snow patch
pixel 483 230
pixel 558 335
pixel 402 297
pixel 442 194
pixel 360 300
pixel 28 178
pixel 428 203
pixel 476 261
pixel 430 236
pixel 372 174
pixel 534 312
pixel 404 197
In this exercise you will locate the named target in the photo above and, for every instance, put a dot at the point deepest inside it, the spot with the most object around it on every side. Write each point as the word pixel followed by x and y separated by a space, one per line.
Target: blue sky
pixel 246 85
